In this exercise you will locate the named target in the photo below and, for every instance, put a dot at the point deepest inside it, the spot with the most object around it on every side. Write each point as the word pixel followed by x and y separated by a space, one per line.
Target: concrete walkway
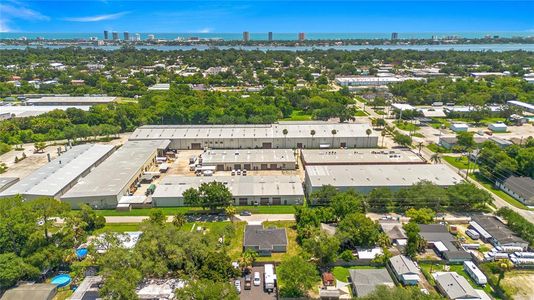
pixel 260 218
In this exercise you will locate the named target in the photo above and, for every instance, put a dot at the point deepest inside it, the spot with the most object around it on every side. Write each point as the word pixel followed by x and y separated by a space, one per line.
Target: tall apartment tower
pixel 270 38
pixel 126 36
pixel 246 36
pixel 106 35
pixel 302 36
pixel 137 37
pixel 394 36
pixel 115 35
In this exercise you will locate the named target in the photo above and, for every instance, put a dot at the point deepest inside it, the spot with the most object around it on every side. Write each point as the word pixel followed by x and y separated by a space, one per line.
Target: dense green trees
pixel 210 195
pixel 415 242
pixel 295 277
pixel 207 290
pixel 518 224
pixel 29 246
pixel 357 230
pixel 498 164
pixel 400 293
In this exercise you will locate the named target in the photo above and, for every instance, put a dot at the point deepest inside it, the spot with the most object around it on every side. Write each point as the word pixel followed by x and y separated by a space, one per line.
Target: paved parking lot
pixel 256 292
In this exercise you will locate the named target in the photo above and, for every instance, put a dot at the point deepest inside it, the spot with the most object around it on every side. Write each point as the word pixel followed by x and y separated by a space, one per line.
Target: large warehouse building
pixel 246 190
pixel 70 100
pixel 117 176
pixel 59 175
pixel 283 135
pixel 365 178
pixel 359 157
pixel 250 159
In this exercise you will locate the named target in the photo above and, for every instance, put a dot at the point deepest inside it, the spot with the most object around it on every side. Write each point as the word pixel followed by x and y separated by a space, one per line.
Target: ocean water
pixel 263 36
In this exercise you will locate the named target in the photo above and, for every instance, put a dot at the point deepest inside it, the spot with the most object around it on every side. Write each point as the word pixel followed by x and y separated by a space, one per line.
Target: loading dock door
pixel 264 201
pixel 267 145
pixel 247 167
pixel 220 167
pixel 196 146
pixel 243 201
pixel 273 167
pixel 264 166
pixel 277 201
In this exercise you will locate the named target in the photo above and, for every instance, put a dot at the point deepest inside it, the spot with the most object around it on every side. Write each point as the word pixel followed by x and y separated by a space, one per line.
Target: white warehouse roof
pixel 174 186
pixel 71 99
pixel 359 156
pixel 294 130
pixel 53 177
pixel 110 177
pixel 213 157
pixel 380 175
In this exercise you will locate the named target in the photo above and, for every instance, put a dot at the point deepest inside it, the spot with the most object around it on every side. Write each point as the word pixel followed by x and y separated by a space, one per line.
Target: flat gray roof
pixel 403 265
pixel 69 99
pixel 380 175
pixel 214 157
pixel 111 176
pixel 53 177
pixel 174 186
pixel 359 156
pixel 294 130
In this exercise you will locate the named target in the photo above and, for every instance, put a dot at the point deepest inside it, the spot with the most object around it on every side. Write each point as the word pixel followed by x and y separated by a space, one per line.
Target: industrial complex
pixel 284 135
pixel 116 176
pixel 250 159
pixel 359 157
pixel 60 174
pixel 246 190
pixel 365 178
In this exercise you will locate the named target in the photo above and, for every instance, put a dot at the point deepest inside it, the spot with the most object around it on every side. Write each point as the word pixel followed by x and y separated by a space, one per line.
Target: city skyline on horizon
pixel 263 16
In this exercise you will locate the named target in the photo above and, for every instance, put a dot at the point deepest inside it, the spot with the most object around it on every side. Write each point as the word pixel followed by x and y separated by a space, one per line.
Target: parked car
pixel 257 279
pixel 245 213
pixel 237 284
pixel 248 282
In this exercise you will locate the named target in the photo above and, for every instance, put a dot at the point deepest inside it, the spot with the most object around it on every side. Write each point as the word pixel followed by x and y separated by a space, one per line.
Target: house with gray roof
pixel 454 286
pixel 365 281
pixel 265 241
pixel 34 291
pixel 492 230
pixel 443 242
pixel 404 269
pixel 519 187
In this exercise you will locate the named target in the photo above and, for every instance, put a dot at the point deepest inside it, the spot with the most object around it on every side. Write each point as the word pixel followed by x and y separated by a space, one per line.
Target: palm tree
pixel 230 212
pixel 368 132
pixel 334 132
pixel 312 132
pixel 284 132
pixel 248 257
pixel 420 145
pixel 179 220
pixel 436 158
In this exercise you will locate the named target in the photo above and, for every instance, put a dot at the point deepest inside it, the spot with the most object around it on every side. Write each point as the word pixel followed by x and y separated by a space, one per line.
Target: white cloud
pixel 97 18
pixel 16 10
pixel 205 30
pixel 12 12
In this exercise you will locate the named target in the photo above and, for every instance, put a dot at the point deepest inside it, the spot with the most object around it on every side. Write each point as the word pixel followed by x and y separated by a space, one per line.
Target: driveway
pixel 260 218
pixel 256 292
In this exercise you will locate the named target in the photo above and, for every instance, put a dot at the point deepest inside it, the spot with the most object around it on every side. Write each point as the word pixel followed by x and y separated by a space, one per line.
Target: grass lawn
pixel 497 192
pixel 298 115
pixel 406 126
pixel 292 248
pixel 342 273
pixel 119 227
pixel 272 209
pixel 460 162
pixel 460 270
pixel 360 113
pixel 126 100
pixel 435 148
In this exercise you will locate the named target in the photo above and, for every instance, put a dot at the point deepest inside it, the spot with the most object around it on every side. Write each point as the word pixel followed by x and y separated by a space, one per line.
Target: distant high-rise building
pixel 270 36
pixel 246 36
pixel 106 35
pixel 394 36
pixel 115 35
pixel 302 36
pixel 126 36
pixel 137 37
pixel 151 37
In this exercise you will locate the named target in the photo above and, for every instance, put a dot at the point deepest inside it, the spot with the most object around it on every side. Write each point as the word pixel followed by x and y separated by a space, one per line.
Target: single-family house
pixel 519 187
pixel 365 281
pixel 453 286
pixel 265 241
pixel 493 231
pixel 404 270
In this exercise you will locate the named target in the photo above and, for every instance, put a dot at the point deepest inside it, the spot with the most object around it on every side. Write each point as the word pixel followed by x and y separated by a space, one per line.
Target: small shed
pixel 459 127
pixel 328 279
pixel 498 127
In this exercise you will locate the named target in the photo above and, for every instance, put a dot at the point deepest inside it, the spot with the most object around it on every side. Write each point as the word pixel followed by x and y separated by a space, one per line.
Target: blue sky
pixel 263 16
